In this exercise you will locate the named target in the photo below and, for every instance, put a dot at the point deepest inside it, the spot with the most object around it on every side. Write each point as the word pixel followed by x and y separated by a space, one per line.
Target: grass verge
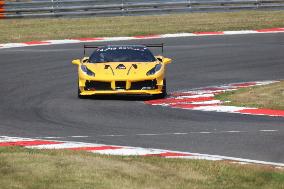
pixel 22 30
pixel 268 96
pixel 23 168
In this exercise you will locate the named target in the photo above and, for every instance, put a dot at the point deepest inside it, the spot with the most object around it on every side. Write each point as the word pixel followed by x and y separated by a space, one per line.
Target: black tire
pixel 81 96
pixel 164 91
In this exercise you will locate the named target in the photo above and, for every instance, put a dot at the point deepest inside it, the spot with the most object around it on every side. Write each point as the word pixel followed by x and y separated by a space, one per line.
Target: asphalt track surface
pixel 39 98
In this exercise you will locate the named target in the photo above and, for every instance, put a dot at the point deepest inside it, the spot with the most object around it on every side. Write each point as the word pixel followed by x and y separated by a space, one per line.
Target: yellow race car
pixel 122 69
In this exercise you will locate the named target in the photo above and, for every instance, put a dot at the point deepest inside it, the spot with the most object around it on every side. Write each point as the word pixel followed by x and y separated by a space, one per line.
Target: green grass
pixel 22 168
pixel 267 96
pixel 22 30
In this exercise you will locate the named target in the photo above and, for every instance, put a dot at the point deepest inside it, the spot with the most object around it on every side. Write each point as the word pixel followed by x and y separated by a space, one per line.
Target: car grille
pixel 97 85
pixel 120 85
pixel 144 85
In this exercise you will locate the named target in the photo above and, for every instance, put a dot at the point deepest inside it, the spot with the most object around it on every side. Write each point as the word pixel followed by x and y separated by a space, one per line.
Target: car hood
pixel 121 70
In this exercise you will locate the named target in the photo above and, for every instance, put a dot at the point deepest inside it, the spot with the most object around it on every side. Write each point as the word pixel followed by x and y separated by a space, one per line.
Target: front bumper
pixel 146 87
pixel 134 92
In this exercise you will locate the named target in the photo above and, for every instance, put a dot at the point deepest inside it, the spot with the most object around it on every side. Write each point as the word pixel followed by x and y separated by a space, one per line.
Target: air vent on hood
pixel 120 67
pixel 107 66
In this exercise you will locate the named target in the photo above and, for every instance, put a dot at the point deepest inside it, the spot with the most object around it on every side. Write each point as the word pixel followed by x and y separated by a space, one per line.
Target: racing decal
pixel 202 99
pixel 122 150
pixel 108 39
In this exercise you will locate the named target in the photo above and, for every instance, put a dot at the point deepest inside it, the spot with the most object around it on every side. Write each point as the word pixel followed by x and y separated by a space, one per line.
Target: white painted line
pixel 184 133
pixel 178 35
pixel 78 136
pixel 240 32
pixel 117 39
pixel 180 133
pixel 195 96
pixel 232 109
pixel 268 130
pixel 160 134
pixel 233 131
pixel 49 137
pixel 61 137
pixel 12 45
pixel 13 139
pixel 64 41
pixel 205 132
pixel 112 135
pixel 128 152
pixel 152 134
pixel 65 145
pixel 211 102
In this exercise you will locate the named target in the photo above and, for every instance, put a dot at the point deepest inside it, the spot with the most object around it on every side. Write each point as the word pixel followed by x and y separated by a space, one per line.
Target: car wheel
pixel 79 94
pixel 164 90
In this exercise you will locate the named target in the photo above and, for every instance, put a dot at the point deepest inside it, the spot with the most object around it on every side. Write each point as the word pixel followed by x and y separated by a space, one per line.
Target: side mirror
pixel 76 62
pixel 167 60
pixel 160 58
pixel 85 59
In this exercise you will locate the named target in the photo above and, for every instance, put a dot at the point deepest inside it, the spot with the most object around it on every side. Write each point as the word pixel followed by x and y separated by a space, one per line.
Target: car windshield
pixel 122 54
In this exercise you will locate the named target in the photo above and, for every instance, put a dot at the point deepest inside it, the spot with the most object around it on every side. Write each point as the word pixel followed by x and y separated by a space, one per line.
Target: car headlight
pixel 155 69
pixel 87 71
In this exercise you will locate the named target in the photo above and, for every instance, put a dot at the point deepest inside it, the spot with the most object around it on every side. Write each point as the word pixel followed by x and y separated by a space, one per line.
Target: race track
pixel 39 98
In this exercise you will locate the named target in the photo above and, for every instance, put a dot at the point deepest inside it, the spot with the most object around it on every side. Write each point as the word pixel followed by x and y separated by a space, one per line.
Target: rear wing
pixel 161 45
pixel 91 47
